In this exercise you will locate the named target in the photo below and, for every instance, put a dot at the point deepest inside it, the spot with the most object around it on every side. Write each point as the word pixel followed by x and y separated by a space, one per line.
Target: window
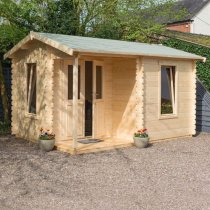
pixel 70 82
pixel 168 99
pixel 31 88
pixel 99 82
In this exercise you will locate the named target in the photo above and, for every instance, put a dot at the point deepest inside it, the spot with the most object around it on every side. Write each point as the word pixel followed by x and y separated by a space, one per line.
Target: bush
pixel 203 69
pixel 5 128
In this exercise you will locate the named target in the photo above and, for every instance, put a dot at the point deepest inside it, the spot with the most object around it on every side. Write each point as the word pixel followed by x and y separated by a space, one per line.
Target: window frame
pixel 175 106
pixel 28 88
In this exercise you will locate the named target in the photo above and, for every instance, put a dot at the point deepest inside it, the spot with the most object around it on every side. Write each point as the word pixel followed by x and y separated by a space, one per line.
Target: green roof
pixel 70 44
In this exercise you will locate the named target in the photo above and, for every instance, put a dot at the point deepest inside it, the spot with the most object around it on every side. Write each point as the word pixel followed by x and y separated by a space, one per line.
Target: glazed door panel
pixel 98 100
pixel 68 92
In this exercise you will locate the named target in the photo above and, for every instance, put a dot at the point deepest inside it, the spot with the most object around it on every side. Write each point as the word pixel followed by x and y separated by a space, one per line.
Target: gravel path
pixel 168 175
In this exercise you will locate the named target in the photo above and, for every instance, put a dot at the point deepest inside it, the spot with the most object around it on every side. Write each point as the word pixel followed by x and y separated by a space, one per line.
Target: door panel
pixel 98 100
pixel 80 119
pixel 99 119
pixel 68 96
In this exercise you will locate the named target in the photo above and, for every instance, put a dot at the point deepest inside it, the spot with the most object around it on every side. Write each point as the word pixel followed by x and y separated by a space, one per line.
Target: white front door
pixel 68 92
pixel 98 99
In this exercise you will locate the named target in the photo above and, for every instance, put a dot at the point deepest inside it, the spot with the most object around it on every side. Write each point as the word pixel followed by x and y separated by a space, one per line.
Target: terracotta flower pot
pixel 47 145
pixel 141 142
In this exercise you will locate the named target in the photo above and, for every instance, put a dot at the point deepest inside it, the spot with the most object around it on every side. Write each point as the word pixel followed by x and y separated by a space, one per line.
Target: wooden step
pixel 92 148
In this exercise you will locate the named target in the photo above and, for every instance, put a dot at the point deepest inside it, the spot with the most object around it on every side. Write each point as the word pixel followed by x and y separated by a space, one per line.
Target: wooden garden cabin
pixel 83 87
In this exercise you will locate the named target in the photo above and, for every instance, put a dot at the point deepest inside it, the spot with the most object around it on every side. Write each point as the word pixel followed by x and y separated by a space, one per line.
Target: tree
pixel 119 19
pixel 62 17
pixel 136 20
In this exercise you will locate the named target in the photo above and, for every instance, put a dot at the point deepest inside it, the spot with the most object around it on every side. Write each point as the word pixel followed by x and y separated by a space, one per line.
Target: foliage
pixel 166 107
pixel 142 133
pixel 112 19
pixel 115 19
pixel 190 37
pixel 4 128
pixel 203 72
pixel 61 17
pixel 9 36
pixel 143 19
pixel 3 94
pixel 46 134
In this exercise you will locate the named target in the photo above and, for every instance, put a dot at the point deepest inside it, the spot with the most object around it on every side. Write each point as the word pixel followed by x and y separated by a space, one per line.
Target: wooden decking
pixel 106 144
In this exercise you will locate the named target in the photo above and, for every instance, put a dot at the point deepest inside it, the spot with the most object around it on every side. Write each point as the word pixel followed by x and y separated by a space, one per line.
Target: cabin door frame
pixel 68 98
pixel 98 104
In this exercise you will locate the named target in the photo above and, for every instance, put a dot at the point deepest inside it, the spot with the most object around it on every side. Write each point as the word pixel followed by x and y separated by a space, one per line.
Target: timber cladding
pixel 124 98
pixel 24 124
pixel 81 87
pixel 183 123
pixel 131 96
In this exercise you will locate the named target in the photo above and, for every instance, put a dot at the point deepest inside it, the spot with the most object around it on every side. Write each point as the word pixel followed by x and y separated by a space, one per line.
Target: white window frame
pixel 174 93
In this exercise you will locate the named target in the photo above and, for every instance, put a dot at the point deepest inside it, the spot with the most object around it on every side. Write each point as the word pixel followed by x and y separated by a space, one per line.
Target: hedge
pixel 203 69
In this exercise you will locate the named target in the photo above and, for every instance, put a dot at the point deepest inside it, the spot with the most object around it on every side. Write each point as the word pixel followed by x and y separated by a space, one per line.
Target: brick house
pixel 196 21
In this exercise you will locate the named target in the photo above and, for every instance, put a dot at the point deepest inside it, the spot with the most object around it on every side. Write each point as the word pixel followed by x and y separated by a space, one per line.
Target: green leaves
pixel 135 20
pixel 203 69
pixel 5 128
pixel 9 36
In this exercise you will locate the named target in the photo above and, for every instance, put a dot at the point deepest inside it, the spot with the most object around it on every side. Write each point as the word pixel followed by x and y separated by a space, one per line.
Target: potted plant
pixel 141 138
pixel 46 140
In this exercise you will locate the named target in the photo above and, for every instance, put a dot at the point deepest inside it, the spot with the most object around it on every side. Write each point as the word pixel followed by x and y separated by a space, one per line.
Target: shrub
pixel 5 128
pixel 203 69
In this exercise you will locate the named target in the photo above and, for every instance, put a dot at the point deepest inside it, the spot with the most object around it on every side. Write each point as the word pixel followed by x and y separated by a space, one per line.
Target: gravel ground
pixel 168 175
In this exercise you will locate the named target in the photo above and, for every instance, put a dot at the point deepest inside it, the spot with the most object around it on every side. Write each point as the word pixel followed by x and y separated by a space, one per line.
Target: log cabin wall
pixel 108 97
pixel 27 125
pixel 119 95
pixel 171 127
pixel 124 98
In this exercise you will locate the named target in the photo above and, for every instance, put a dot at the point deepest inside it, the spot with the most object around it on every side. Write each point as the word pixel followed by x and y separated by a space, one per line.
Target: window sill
pixel 31 116
pixel 168 116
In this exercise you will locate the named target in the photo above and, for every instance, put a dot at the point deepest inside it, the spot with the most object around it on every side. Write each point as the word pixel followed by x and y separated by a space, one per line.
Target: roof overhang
pixel 119 54
pixel 36 36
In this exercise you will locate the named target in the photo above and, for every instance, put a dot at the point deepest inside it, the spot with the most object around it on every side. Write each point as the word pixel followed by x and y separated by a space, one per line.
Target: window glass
pixel 31 87
pixel 70 82
pixel 99 82
pixel 168 90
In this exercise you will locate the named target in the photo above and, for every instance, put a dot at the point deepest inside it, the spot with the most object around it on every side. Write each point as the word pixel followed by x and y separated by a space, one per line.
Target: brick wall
pixel 183 27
